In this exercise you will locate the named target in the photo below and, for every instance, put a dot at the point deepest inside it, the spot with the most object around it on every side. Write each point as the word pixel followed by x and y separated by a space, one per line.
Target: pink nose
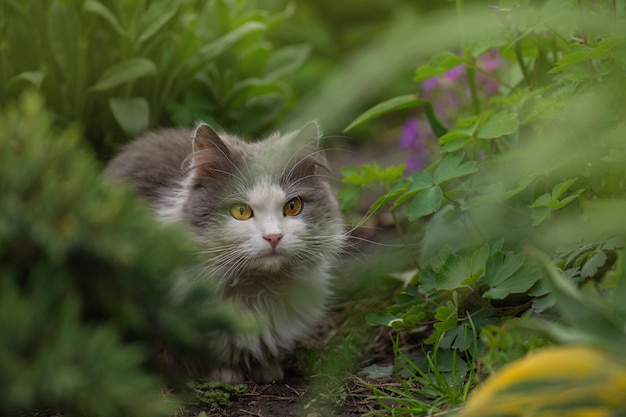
pixel 273 239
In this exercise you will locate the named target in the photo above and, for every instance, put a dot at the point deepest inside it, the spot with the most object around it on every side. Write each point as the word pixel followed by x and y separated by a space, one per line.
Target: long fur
pixel 195 177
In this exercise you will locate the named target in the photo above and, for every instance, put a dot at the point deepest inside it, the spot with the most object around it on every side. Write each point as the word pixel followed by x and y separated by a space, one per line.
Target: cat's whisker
pixel 197 185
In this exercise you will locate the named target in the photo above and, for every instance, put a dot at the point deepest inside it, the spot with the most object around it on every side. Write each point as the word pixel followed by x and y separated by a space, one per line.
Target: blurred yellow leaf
pixel 564 381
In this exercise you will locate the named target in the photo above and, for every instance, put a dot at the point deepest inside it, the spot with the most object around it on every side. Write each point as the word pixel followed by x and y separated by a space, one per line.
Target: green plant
pixel 536 158
pixel 120 67
pixel 431 383
pixel 90 284
pixel 215 394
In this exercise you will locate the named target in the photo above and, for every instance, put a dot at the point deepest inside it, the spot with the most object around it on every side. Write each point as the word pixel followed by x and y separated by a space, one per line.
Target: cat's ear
pixel 311 155
pixel 209 150
pixel 309 136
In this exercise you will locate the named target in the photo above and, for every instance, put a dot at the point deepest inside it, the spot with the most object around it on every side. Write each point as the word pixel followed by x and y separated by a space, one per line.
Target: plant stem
pixel 471 80
pixel 520 61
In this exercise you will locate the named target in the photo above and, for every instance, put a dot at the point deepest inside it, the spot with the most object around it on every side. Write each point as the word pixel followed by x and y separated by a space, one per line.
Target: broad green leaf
pixel 350 197
pixel 595 262
pixel 451 167
pixel 387 106
pixel 447 316
pixel 454 141
pixel 577 53
pixel 508 274
pixel 252 88
pixel 418 182
pixel 125 72
pixel 438 64
pixel 425 202
pixel 227 41
pixel 499 124
pixel 286 60
pixel 456 272
pixel 155 18
pixel 501 267
pixel 96 7
pixel 63 35
pixel 132 114
pixel 559 189
pixel 27 78
pixel 586 313
pixel 546 203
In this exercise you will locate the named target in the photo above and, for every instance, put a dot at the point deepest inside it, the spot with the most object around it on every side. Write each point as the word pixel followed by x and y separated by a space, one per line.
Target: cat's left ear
pixel 209 150
pixel 309 136
pixel 307 141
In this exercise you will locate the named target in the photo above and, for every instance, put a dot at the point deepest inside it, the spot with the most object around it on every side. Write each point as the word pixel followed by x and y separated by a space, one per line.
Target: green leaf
pixel 125 72
pixel 447 316
pixel 450 167
pixel 155 18
pixel 438 64
pixel 63 35
pixel 593 264
pixel 499 124
pixel 350 197
pixel 286 60
pixel 384 200
pixel 227 41
pixel 132 114
pixel 418 182
pixel 586 313
pixel 384 319
pixel 454 141
pixel 394 104
pixel 94 6
pixel 426 202
pixel 28 78
pixel 508 274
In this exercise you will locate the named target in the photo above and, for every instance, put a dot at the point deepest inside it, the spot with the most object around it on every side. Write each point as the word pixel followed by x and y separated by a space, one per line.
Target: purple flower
pixel 490 60
pixel 455 73
pixel 430 84
pixel 413 139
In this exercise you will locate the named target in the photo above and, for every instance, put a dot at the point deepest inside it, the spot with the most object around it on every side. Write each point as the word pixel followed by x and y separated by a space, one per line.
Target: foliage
pixel 556 381
pixel 88 281
pixel 429 383
pixel 138 64
pixel 535 159
pixel 215 394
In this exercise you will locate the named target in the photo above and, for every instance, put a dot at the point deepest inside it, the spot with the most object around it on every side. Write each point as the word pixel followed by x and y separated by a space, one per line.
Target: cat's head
pixel 261 208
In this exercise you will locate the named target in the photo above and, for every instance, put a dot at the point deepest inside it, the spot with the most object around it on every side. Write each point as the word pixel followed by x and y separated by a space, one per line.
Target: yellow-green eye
pixel 293 207
pixel 241 211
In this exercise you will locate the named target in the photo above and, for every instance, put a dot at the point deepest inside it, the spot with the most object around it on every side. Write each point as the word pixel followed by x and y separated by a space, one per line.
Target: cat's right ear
pixel 209 150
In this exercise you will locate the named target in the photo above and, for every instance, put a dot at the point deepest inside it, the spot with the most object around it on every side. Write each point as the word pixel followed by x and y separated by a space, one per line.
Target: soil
pixel 324 376
pixel 345 395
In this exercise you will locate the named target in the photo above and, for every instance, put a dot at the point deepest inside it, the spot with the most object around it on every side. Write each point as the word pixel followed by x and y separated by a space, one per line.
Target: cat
pixel 267 220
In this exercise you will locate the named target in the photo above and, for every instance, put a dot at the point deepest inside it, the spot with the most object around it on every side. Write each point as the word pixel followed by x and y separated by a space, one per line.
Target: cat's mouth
pixel 271 260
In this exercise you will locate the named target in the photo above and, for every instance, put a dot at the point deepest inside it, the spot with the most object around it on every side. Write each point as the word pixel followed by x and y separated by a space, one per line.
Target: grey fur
pixel 195 177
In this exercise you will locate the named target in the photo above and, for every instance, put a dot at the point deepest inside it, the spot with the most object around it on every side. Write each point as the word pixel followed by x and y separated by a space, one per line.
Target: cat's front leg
pixel 266 373
pixel 228 375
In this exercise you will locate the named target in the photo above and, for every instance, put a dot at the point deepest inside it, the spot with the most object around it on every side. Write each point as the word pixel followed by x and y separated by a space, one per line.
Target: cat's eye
pixel 293 207
pixel 241 211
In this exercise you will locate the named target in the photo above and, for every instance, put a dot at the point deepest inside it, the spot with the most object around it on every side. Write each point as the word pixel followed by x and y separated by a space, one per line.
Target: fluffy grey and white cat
pixel 268 223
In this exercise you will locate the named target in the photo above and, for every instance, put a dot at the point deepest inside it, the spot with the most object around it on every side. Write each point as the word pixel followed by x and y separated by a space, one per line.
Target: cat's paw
pixel 228 375
pixel 266 374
